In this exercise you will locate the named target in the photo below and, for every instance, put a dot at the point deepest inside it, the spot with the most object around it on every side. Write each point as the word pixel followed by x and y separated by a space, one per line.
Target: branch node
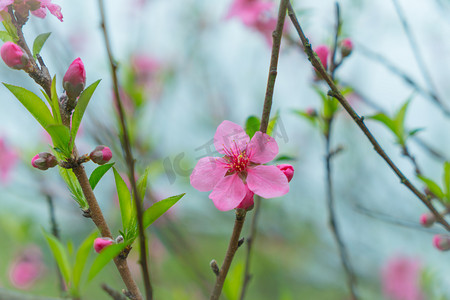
pixel 240 242
pixel 214 267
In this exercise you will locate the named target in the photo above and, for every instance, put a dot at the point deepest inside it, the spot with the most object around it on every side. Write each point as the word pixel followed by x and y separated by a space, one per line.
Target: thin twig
pixel 334 65
pixel 430 94
pixel 277 34
pixel 415 48
pixel 250 243
pixel 113 293
pixel 129 160
pixel 231 251
pixel 334 92
pixel 345 260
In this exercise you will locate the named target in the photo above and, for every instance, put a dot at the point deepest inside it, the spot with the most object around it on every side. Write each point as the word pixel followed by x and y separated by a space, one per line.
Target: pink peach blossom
pixel 240 169
pixel 401 279
pixel 53 8
pixel 249 11
pixel 287 170
pixel 8 159
pixel 27 268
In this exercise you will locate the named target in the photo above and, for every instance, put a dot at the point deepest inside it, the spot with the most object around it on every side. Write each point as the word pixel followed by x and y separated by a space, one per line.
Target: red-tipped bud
pixel 427 220
pixel 346 47
pixel 102 243
pixel 247 203
pixel 14 56
pixel 441 242
pixel 288 170
pixel 311 112
pixel 101 155
pixel 43 161
pixel 322 52
pixel 74 80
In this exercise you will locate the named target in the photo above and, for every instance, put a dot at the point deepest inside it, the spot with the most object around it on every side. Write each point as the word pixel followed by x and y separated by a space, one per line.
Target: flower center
pixel 237 159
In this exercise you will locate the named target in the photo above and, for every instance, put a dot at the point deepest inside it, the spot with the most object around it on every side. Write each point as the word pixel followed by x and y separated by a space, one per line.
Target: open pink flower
pixel 249 11
pixel 401 279
pixel 240 169
pixel 53 8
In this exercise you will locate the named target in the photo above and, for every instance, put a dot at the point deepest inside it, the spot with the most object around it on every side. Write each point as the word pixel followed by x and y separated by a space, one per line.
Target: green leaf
pixel 5 37
pixel 433 186
pixel 55 102
pixel 124 199
pixel 385 120
pixel 78 113
pixel 142 183
pixel 39 43
pixel 81 258
pixel 415 131
pixel 60 254
pixel 74 186
pixel 447 181
pixel 104 257
pixel 252 125
pixel 272 123
pixel 282 158
pixel 33 104
pixel 10 28
pixel 98 173
pixel 312 119
pixel 399 122
pixel 158 209
pixel 61 138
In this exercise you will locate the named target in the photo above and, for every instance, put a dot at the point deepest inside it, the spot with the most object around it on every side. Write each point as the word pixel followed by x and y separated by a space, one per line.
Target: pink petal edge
pixel 262 148
pixel 228 192
pixel 267 181
pixel 229 134
pixel 207 173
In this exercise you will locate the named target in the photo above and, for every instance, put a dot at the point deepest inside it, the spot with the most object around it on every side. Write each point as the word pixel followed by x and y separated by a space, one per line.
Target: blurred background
pixel 186 67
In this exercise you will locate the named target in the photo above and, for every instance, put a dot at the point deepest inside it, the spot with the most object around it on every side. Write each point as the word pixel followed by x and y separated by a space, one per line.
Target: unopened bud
pixel 74 80
pixel 441 242
pixel 119 239
pixel 44 160
pixel 214 267
pixel 101 155
pixel 311 112
pixel 346 47
pixel 14 56
pixel 427 220
pixel 247 203
pixel 287 170
pixel 102 243
pixel 322 52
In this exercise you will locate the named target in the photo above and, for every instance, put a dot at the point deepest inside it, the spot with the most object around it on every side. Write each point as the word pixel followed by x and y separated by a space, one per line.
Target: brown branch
pixel 334 65
pixel 113 293
pixel 231 251
pixel 129 160
pixel 334 92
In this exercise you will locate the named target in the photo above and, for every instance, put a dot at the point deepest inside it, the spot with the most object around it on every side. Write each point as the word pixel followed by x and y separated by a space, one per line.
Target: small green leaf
pixel 312 119
pixel 142 183
pixel 33 104
pixel 74 186
pixel 78 113
pixel 98 173
pixel 158 209
pixel 81 258
pixel 39 43
pixel 282 158
pixel 5 37
pixel 124 199
pixel 399 122
pixel 433 186
pixel 60 254
pixel 104 257
pixel 415 131
pixel 10 28
pixel 385 120
pixel 55 103
pixel 447 181
pixel 272 123
pixel 252 125
pixel 61 138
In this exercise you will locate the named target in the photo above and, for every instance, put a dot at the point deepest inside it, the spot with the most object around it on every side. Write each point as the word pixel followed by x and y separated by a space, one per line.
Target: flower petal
pixel 267 181
pixel 228 192
pixel 230 135
pixel 207 173
pixel 262 148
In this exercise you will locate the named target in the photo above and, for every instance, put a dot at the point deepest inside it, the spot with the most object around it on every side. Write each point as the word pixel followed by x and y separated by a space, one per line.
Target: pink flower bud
pixel 288 170
pixel 14 56
pixel 101 155
pixel 346 47
pixel 101 243
pixel 441 242
pixel 44 160
pixel 427 220
pixel 74 80
pixel 247 203
pixel 323 52
pixel 311 112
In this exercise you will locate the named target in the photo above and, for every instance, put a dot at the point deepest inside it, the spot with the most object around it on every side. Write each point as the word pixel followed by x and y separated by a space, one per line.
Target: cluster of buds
pixel 44 160
pixel 15 57
pixel 101 155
